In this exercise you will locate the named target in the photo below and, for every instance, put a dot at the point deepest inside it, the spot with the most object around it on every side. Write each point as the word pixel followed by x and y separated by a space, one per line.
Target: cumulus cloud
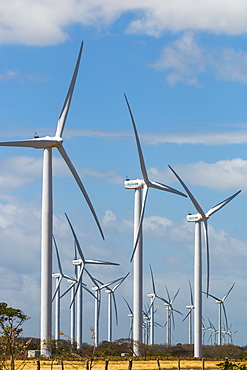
pixel 221 175
pixel 184 60
pixel 47 23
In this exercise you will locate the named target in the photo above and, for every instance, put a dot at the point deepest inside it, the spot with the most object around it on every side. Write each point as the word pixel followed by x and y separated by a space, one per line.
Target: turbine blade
pixel 194 201
pixel 145 193
pixel 141 158
pixel 162 299
pixel 222 204
pixel 78 284
pixel 78 180
pixel 98 262
pixel 227 294
pixel 187 315
pixel 115 306
pixel 68 289
pixel 224 310
pixel 160 186
pixel 66 105
pixel 130 310
pixel 94 281
pixel 88 290
pixel 175 296
pixel 213 296
pixel 152 277
pixel 76 240
pixel 151 304
pixel 58 258
pixel 29 143
pixel 207 250
pixel 120 282
pixel 168 295
pixel 173 320
pixel 173 309
pixel 191 295
pixel 57 287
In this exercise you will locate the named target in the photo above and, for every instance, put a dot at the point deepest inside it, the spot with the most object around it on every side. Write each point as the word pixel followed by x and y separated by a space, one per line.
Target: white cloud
pixel 184 60
pixel 45 22
pixel 109 217
pixel 222 175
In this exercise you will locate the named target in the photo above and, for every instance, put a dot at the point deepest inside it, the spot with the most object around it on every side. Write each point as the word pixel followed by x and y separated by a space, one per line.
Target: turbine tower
pixel 220 302
pixel 198 219
pixel 47 143
pixel 139 207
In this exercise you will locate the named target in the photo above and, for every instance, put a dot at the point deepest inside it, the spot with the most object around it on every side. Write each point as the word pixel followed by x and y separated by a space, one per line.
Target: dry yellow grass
pixel 121 365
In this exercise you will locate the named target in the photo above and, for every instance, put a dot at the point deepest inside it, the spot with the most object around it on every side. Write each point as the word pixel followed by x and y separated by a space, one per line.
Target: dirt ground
pixel 120 365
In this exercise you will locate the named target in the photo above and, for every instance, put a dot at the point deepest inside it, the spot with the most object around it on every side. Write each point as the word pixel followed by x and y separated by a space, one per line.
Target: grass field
pixel 120 365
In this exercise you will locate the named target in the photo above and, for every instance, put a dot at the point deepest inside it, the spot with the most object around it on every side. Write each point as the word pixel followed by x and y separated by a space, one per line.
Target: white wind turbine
pixel 58 276
pixel 189 314
pixel 169 311
pixel 139 207
pixel 153 295
pixel 81 263
pixel 98 286
pixel 111 297
pixel 47 143
pixel 198 218
pixel 130 315
pixel 220 302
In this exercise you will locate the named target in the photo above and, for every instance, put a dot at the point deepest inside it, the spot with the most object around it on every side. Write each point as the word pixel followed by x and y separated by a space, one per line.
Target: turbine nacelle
pixel 56 275
pixel 47 142
pixel 77 262
pixel 195 218
pixel 134 184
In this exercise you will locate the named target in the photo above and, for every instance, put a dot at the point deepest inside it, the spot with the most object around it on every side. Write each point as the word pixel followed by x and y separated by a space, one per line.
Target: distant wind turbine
pixel 97 291
pixel 198 219
pixel 81 263
pixel 153 295
pixel 189 314
pixel 130 315
pixel 221 306
pixel 139 208
pixel 111 297
pixel 170 315
pixel 58 276
pixel 47 143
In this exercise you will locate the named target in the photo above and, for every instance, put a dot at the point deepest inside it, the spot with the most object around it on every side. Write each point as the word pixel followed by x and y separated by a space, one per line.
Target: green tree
pixel 11 320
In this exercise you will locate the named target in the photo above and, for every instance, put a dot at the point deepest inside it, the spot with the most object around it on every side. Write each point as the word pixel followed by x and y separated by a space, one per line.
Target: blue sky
pixel 183 67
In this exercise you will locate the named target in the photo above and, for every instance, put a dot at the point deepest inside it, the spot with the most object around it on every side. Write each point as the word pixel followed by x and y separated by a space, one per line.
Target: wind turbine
pixel 47 143
pixel 97 291
pixel 111 297
pixel 139 208
pixel 198 218
pixel 170 310
pixel 221 306
pixel 153 295
pixel 81 263
pixel 189 314
pixel 130 315
pixel 58 276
